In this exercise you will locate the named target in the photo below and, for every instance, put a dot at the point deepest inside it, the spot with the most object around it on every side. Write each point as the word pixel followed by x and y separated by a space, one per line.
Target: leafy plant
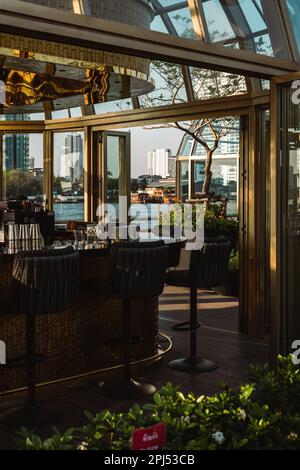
pixel 233 261
pixel 263 414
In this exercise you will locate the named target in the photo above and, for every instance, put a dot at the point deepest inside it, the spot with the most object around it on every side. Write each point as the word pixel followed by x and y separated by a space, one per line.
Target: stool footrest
pixel 186 326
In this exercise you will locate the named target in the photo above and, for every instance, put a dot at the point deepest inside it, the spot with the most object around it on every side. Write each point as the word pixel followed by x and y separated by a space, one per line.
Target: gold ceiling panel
pixel 37 71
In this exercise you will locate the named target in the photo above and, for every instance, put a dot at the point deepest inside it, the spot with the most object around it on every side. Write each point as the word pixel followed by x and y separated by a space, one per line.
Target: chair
pixel 208 268
pixel 138 272
pixel 44 282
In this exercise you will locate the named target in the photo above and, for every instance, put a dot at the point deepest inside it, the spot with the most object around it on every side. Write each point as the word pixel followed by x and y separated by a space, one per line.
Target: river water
pixel 75 211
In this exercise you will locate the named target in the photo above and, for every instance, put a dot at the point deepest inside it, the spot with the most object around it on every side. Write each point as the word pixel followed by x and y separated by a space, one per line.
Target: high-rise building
pixel 16 147
pixel 172 166
pixel 158 162
pixel 72 158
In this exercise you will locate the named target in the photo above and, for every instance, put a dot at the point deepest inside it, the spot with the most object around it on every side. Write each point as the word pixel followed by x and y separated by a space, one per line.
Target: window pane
pixel 184 180
pixel 68 181
pixel 182 22
pixel 253 15
pixel 23 167
pixel 169 85
pixel 219 27
pixel 113 106
pixel 294 13
pixel 113 168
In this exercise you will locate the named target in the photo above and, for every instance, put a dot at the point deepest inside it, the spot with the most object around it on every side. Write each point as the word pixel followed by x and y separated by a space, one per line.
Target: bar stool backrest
pixel 138 269
pixel 209 266
pixel 45 281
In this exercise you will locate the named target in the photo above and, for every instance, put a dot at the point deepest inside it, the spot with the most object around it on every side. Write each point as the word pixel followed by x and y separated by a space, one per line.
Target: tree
pixel 207 84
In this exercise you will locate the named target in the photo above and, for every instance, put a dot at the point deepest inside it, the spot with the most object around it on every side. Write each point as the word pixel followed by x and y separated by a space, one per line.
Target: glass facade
pixel 68 176
pixel 290 221
pixel 23 167
pixel 225 164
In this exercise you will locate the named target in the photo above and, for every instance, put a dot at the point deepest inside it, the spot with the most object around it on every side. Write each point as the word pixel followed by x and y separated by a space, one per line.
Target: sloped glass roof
pixel 247 24
pixel 269 27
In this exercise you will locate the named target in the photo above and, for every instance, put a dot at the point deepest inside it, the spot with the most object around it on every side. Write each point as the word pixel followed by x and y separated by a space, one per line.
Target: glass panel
pixel 117 166
pixel 224 181
pixel 291 224
pixel 219 27
pixel 253 15
pixel 208 84
pixel 183 180
pixel 113 106
pixel 113 168
pixel 23 167
pixel 186 146
pixel 182 22
pixel 158 25
pixel 169 85
pixel 60 114
pixel 198 177
pixel 68 179
pixel 75 112
pixel 293 7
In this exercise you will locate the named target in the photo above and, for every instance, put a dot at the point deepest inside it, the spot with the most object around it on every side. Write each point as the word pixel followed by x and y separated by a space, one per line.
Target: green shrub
pixel 233 261
pixel 215 224
pixel 264 414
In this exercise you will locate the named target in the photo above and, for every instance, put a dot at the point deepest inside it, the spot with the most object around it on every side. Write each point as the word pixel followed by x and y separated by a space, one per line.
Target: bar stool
pixel 138 272
pixel 208 268
pixel 44 282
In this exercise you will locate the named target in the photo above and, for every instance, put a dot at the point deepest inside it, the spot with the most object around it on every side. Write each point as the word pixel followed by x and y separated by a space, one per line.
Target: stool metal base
pixel 130 389
pixel 196 364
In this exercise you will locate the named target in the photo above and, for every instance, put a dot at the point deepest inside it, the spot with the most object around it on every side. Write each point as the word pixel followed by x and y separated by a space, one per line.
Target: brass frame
pixel 277 188
pixel 240 105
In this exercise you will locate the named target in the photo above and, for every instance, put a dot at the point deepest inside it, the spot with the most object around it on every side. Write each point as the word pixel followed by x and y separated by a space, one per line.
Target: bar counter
pixel 73 342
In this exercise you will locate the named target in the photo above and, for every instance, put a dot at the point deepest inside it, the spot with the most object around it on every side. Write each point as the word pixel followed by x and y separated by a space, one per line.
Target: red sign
pixel 152 438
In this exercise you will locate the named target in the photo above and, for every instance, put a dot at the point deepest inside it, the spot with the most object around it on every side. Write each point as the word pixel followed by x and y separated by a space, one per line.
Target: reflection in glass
pixel 68 178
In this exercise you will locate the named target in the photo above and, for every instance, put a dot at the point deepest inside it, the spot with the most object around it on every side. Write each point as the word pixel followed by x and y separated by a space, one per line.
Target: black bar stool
pixel 208 268
pixel 138 272
pixel 44 282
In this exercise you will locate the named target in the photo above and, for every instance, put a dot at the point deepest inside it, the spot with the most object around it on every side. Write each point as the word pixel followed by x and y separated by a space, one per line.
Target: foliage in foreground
pixel 264 414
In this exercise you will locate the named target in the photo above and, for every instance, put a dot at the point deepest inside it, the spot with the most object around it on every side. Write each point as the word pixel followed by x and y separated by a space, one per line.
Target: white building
pixel 71 163
pixel 229 173
pixel 158 162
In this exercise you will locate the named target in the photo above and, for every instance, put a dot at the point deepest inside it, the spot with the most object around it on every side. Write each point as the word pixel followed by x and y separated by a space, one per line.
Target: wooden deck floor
pixel 218 339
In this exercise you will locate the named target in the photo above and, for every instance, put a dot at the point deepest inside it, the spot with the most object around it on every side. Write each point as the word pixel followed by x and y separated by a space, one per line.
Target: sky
pixel 142 141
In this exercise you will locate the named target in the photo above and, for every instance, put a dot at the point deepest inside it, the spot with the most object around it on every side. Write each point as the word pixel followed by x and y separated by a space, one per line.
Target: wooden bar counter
pixel 73 342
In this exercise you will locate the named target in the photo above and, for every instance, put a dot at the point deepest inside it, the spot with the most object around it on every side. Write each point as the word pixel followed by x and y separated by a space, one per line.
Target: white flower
pixel 83 446
pixel 185 419
pixel 242 414
pixel 218 437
